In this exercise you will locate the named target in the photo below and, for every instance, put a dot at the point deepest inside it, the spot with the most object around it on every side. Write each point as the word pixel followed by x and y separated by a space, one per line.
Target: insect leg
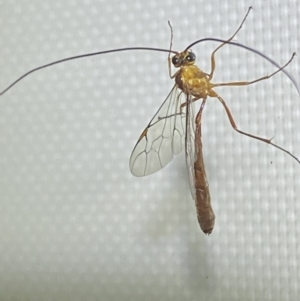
pixel 245 83
pixel 233 124
pixel 181 107
pixel 185 103
pixel 212 59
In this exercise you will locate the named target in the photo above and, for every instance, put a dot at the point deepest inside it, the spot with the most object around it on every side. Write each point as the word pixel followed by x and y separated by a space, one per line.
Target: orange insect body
pixel 162 138
pixel 194 82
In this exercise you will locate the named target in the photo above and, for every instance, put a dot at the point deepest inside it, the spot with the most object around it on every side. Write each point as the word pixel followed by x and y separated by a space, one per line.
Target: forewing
pixel 162 138
pixel 190 154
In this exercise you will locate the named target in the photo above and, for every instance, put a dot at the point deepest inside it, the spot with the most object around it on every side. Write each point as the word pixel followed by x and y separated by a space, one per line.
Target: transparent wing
pixel 162 138
pixel 190 153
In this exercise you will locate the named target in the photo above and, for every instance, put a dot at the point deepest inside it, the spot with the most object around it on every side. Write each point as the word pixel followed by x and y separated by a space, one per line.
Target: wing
pixel 190 154
pixel 162 138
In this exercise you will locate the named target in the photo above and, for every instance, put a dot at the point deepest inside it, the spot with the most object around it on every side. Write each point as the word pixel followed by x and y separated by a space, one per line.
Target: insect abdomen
pixel 205 214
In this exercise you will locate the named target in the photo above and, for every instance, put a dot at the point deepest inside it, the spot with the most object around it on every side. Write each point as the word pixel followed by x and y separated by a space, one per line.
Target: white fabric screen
pixel 75 224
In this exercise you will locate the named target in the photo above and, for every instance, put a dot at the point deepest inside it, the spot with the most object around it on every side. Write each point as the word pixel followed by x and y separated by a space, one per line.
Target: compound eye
pixel 175 60
pixel 191 57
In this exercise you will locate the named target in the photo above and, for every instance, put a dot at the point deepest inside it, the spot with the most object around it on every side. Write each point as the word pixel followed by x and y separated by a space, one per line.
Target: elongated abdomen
pixel 205 214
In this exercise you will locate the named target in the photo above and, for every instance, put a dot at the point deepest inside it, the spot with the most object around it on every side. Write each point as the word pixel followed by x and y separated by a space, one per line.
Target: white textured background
pixel 75 224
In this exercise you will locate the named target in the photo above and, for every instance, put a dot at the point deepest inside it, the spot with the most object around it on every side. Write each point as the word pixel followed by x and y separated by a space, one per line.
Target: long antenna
pixel 150 49
pixel 79 57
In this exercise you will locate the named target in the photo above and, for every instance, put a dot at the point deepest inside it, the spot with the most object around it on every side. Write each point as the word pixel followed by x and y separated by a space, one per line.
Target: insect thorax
pixel 190 79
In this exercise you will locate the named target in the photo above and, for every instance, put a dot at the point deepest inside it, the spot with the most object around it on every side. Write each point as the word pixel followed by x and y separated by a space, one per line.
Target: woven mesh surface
pixel 75 224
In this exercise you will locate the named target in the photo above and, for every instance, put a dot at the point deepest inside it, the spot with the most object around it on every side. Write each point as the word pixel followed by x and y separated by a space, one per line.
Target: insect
pixel 162 137
pixel 175 124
